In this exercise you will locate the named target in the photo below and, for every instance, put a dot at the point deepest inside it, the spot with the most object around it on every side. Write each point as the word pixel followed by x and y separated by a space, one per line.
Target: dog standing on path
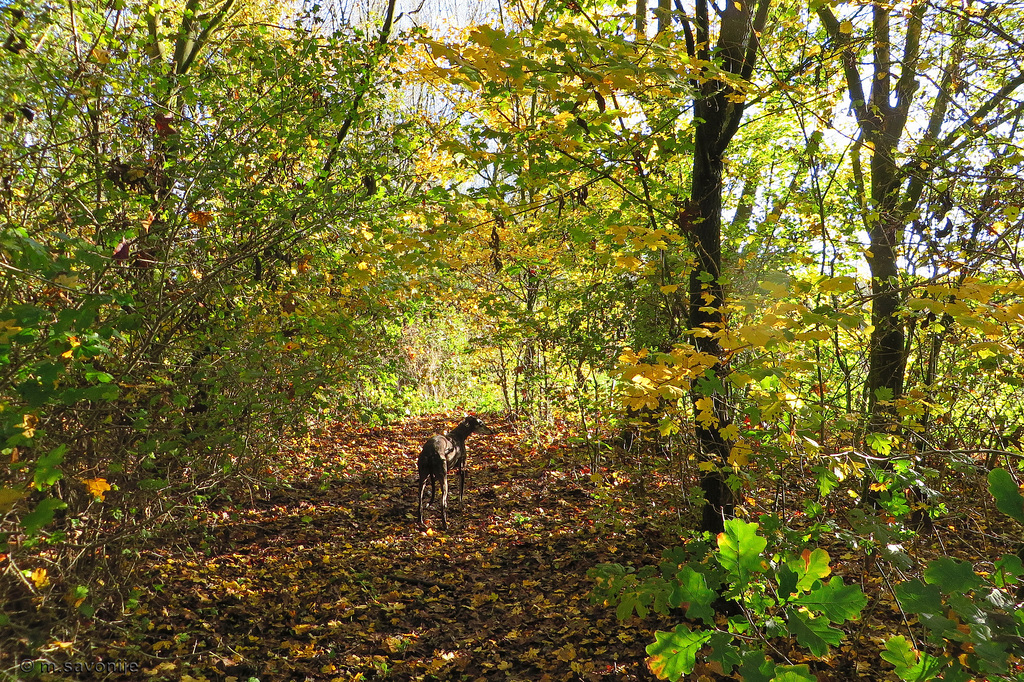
pixel 442 454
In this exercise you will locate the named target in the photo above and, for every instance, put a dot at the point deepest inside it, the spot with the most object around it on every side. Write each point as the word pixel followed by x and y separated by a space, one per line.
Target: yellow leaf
pixel 28 425
pixel 739 455
pixel 40 578
pixel 97 487
pixel 7 330
pixel 846 27
pixel 757 334
pixel 842 283
pixel 739 379
pixel 705 415
pixel 671 392
pixel 776 290
pixel 729 432
pixel 629 357
pixel 100 56
pixel 628 262
pixel 200 218
pixel 75 343
pixel 669 289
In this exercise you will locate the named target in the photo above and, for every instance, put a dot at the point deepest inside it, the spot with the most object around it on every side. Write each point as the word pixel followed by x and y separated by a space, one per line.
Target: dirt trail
pixel 332 579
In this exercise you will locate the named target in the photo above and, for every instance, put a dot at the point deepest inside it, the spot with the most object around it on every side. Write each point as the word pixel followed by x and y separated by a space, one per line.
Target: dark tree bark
pixel 882 118
pixel 717 115
pixel 891 194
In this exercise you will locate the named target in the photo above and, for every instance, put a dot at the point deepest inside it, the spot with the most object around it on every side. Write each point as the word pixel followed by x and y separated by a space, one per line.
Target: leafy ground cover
pixel 330 577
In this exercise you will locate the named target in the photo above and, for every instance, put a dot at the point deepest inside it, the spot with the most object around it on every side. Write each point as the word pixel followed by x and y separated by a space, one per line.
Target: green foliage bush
pixel 771 595
pixel 737 598
pixel 184 280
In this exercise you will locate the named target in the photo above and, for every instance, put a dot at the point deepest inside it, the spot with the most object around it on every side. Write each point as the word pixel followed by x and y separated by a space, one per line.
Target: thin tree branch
pixel 853 81
pixel 385 33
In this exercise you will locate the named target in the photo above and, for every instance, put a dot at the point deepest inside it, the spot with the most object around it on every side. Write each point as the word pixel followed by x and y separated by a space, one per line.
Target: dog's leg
pixel 444 500
pixel 423 489
pixel 462 482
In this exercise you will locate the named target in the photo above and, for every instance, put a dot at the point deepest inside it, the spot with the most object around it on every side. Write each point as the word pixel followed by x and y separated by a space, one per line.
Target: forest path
pixel 332 578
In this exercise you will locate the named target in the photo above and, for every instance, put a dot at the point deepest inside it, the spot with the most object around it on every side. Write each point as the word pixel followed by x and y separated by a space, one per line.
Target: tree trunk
pixel 707 297
pixel 717 115
pixel 887 356
pixel 882 116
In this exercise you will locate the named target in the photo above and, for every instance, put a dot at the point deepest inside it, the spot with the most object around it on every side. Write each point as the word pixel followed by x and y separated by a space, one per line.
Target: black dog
pixel 442 454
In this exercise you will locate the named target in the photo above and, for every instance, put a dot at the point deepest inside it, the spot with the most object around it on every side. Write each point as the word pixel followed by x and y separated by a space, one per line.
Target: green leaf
pixel 41 515
pixel 993 655
pixel 883 394
pixel 674 654
pixel 941 628
pixel 794 673
pixel 787 581
pixel 910 665
pixel 101 392
pixel 691 590
pixel 756 667
pixel 101 377
pixel 47 473
pixel 1007 494
pixel 965 607
pixel 723 651
pixel 917 597
pixel 956 673
pixel 836 601
pixel 881 442
pixel 899 652
pixel 952 576
pixel 1008 569
pixel 626 606
pixel 813 633
pixel 35 392
pixel 740 550
pixel 810 567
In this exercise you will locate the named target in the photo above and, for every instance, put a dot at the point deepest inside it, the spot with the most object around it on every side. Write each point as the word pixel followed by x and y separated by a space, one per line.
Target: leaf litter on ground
pixel 332 578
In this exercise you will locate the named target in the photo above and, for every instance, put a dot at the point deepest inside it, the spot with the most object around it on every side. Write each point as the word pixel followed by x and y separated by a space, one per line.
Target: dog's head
pixel 477 426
